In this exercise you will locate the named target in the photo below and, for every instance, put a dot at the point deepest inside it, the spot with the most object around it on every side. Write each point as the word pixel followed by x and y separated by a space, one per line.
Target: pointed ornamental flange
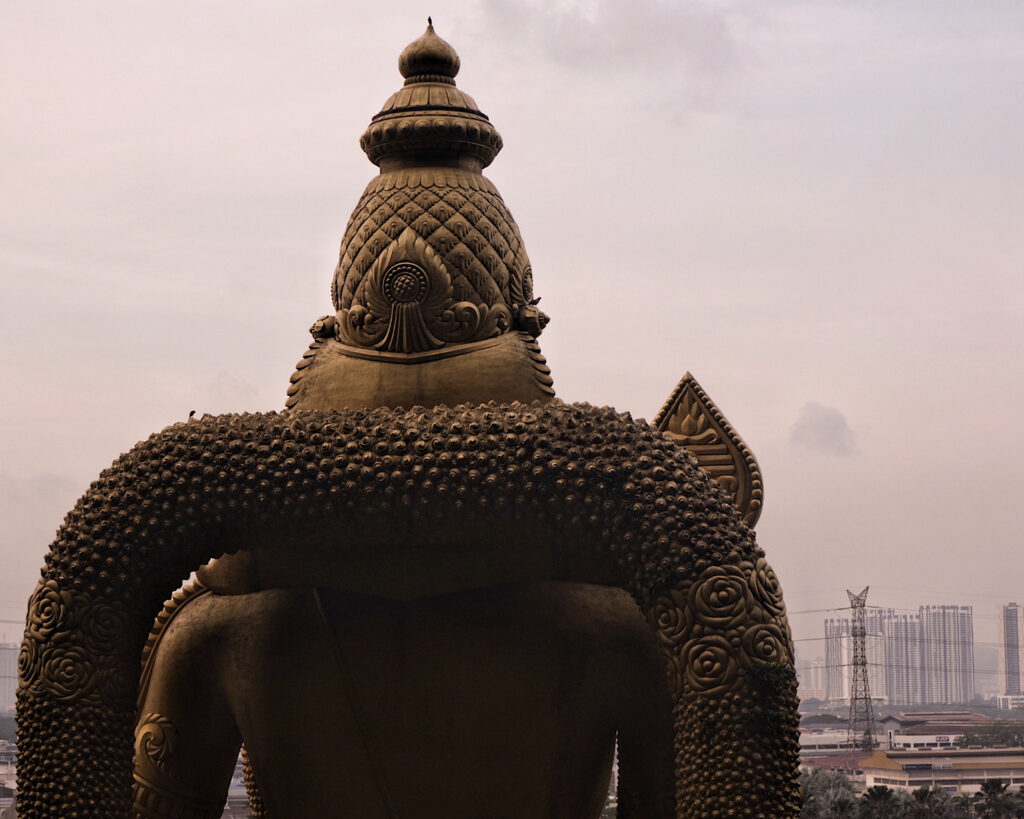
pixel 692 420
pixel 429 118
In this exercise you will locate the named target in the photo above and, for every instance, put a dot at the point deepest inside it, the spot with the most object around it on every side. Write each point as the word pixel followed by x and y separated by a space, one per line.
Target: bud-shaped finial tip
pixel 428 56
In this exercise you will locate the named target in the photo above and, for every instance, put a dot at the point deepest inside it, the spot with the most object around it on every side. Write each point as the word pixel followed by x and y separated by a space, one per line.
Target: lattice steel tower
pixel 861 733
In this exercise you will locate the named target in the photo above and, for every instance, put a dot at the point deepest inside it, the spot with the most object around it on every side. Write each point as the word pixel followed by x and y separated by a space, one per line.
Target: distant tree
pixel 996 801
pixel 999 732
pixel 932 803
pixel 844 807
pixel 880 802
pixel 827 795
pixel 962 805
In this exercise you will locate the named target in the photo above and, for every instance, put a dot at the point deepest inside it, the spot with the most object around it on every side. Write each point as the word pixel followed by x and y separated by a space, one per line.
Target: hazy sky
pixel 815 207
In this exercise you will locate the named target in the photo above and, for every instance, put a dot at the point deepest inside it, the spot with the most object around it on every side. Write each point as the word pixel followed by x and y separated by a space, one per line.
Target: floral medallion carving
pixel 406 304
pixel 718 628
pixel 722 598
pixel 49 612
pixel 70 640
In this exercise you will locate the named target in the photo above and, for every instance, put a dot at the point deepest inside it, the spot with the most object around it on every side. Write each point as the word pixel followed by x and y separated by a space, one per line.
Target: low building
pixel 823 741
pixel 960 770
pixel 953 723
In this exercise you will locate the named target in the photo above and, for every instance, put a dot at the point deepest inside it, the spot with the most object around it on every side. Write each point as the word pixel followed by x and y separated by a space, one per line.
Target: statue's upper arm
pixel 186 741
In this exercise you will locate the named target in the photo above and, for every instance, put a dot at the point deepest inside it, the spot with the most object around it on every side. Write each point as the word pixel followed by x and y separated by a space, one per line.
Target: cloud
pixel 610 37
pixel 823 429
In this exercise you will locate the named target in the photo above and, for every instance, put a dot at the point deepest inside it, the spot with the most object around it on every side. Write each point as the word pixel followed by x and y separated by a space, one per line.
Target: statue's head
pixel 433 292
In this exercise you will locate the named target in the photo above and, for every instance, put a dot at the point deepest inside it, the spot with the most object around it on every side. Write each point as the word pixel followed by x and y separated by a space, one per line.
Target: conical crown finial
pixel 429 121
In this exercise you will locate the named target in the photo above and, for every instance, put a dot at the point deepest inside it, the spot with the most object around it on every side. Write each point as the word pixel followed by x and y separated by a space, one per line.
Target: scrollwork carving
pixel 156 739
pixel 157 792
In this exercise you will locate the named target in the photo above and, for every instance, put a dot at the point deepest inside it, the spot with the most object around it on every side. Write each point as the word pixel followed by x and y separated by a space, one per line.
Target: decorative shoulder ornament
pixel 693 421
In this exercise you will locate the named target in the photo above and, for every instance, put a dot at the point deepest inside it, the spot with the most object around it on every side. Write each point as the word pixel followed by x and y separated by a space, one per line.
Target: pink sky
pixel 816 208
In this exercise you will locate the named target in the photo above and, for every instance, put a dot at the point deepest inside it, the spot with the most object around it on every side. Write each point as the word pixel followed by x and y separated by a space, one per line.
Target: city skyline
pixel 927 658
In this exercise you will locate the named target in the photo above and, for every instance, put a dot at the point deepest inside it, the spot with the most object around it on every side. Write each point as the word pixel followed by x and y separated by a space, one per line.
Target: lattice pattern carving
pixel 459 215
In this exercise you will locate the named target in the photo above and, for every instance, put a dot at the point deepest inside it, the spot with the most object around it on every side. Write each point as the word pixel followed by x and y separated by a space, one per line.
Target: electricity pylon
pixel 861 733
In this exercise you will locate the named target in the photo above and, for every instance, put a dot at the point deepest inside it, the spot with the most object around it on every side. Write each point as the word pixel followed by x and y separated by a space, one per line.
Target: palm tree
pixel 962 806
pixel 932 803
pixel 995 801
pixel 842 807
pixel 879 802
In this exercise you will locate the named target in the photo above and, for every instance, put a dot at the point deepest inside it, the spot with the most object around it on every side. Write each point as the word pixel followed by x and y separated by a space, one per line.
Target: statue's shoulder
pixel 189 594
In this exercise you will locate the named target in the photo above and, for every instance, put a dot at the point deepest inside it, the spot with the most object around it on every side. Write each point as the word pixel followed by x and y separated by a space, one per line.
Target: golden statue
pixel 440 591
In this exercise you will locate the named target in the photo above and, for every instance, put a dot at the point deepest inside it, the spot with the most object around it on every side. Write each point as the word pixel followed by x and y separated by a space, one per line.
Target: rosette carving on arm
pixel 729 663
pixel 66 634
pixel 49 612
pixel 710 664
pixel 723 624
pixel 721 598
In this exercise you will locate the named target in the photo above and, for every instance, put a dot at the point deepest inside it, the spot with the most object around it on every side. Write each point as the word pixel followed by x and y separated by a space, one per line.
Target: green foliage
pixel 933 803
pixel 7 728
pixel 880 802
pixel 996 801
pixel 827 794
pixel 830 795
pixel 1000 732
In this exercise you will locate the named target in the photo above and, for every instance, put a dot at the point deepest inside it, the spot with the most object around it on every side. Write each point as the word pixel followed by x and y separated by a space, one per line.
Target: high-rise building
pixel 913 659
pixel 837 659
pixel 8 676
pixel 947 658
pixel 839 654
pixel 903 653
pixel 810 674
pixel 1011 623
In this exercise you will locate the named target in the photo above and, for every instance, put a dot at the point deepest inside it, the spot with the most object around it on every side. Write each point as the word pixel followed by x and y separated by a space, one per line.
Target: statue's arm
pixel 730 661
pixel 186 740
pixel 646 785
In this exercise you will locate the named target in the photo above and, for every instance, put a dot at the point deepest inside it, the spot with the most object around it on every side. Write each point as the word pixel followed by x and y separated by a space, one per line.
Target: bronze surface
pixel 440 592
